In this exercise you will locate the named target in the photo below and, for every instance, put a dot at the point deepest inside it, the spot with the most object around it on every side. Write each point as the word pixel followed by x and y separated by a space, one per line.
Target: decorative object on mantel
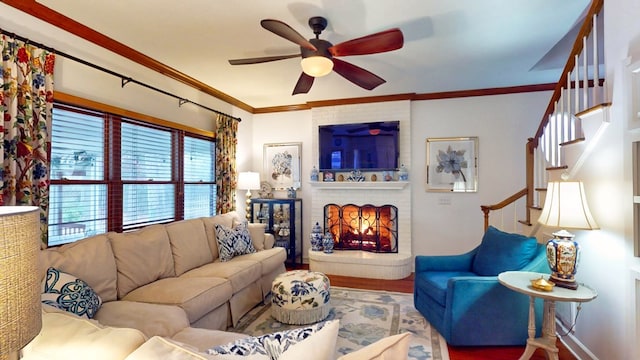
pixel 327 243
pixel 403 174
pixel 266 192
pixel 387 175
pixel 291 193
pixel 315 174
pixel 20 278
pixel 248 181
pixel 355 175
pixel 327 176
pixel 565 206
pixel 316 237
pixel 452 164
pixel 374 177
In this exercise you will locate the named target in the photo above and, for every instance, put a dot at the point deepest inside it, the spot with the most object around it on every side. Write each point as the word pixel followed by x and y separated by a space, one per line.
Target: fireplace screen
pixel 367 227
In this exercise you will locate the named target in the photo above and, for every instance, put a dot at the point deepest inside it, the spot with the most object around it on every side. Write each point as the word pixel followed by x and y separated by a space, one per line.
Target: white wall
pixel 502 124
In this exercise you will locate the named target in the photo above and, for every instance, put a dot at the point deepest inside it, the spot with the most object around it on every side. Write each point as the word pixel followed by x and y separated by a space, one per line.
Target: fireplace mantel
pixel 367 185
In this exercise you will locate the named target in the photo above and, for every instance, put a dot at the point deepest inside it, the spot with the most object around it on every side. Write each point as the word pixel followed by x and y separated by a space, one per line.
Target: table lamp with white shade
pixel 20 308
pixel 565 207
pixel 248 181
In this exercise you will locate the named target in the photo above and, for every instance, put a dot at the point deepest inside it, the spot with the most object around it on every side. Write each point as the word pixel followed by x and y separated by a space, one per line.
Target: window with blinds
pixel 199 178
pixel 114 174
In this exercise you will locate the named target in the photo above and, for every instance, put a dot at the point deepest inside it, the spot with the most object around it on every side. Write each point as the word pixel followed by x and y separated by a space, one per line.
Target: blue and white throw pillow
pixel 233 242
pixel 272 345
pixel 67 292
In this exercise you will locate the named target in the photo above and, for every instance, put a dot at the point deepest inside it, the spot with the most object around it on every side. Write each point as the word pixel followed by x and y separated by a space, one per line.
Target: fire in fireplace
pixel 367 227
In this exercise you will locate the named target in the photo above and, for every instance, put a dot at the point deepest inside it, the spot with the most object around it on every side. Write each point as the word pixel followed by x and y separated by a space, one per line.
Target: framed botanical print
pixel 452 164
pixel 282 165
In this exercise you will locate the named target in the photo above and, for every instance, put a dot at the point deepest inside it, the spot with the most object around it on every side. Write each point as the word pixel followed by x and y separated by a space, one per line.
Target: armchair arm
pixel 445 262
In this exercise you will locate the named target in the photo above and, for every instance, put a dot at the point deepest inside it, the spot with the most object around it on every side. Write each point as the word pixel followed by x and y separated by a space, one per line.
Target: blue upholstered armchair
pixel 461 297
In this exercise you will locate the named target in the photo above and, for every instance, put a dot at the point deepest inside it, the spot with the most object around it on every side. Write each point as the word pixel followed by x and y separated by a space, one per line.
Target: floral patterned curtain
pixel 26 102
pixel 226 182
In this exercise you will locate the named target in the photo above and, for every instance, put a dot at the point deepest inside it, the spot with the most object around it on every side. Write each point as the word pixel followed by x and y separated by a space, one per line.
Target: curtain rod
pixel 124 79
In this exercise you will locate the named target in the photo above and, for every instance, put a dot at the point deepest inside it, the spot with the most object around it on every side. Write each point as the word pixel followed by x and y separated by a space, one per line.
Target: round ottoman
pixel 300 297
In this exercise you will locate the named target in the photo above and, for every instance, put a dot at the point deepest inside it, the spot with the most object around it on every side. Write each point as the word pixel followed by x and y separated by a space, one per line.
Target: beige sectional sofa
pixel 151 279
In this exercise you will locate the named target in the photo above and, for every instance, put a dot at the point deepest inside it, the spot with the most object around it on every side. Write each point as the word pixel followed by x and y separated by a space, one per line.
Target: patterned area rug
pixel 365 317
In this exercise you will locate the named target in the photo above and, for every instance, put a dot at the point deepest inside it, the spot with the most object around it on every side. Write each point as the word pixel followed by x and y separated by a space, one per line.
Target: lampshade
pixel 566 207
pixel 20 309
pixel 249 180
pixel 316 66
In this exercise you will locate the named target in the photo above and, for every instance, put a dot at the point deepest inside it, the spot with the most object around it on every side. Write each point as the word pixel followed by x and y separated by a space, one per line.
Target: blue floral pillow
pixel 66 292
pixel 272 345
pixel 233 242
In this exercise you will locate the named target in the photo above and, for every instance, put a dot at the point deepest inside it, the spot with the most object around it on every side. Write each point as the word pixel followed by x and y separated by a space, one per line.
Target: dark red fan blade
pixel 281 29
pixel 357 75
pixel 258 60
pixel 303 85
pixel 371 44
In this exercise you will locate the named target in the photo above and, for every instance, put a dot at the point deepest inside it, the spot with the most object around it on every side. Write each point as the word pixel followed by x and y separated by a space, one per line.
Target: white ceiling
pixel 449 45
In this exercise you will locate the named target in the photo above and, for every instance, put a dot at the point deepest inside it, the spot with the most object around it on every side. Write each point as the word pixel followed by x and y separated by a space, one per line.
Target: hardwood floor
pixel 455 352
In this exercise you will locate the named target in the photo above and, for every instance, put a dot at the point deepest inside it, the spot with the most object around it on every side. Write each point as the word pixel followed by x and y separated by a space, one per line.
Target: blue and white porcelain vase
pixel 316 237
pixel 403 173
pixel 315 174
pixel 327 243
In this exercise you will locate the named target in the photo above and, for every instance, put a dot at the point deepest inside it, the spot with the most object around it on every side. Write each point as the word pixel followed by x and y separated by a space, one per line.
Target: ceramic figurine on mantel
pixel 403 174
pixel 316 237
pixel 327 243
pixel 315 174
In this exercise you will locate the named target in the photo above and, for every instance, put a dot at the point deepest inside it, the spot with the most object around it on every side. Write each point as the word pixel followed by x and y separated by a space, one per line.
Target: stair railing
pixel 575 92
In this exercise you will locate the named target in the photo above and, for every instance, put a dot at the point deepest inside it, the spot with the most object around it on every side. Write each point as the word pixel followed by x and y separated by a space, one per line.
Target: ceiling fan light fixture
pixel 316 66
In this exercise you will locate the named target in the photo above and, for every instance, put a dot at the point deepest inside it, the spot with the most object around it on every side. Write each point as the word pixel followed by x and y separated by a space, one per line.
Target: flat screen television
pixel 370 146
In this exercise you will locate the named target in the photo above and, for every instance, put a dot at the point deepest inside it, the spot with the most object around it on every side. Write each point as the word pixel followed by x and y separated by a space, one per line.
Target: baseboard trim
pixel 573 344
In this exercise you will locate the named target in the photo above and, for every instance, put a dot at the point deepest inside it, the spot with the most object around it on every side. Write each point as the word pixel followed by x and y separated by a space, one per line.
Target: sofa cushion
pixel 500 251
pixel 270 259
pixel 188 244
pixel 91 258
pixel 66 336
pixel 197 296
pixel 69 293
pixel 151 319
pixel 209 228
pixel 435 283
pixel 233 241
pixel 257 235
pixel 239 272
pixel 314 342
pixel 142 256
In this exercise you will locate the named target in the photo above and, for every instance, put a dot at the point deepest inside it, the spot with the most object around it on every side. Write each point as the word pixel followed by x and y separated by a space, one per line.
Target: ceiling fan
pixel 319 57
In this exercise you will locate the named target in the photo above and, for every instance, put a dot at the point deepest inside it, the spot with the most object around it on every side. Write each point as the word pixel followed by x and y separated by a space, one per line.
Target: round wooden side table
pixel 520 281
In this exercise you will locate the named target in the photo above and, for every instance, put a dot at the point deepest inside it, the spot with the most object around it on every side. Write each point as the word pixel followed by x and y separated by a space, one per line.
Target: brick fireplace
pixel 359 263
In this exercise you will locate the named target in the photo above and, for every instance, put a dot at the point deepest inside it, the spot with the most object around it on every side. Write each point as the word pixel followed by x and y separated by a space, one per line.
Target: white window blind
pixel 146 156
pixel 199 178
pixel 77 210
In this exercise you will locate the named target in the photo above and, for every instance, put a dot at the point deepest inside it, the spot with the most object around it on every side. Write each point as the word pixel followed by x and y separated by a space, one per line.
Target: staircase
pixel 571 126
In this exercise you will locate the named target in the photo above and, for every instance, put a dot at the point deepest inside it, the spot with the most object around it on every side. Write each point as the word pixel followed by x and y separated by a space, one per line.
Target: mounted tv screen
pixel 361 146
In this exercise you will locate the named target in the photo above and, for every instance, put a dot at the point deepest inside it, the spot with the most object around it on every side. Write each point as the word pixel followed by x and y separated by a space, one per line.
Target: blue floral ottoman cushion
pixel 300 297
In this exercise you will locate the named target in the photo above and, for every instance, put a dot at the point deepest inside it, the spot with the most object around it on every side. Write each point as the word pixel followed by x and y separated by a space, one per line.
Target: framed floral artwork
pixel 282 165
pixel 452 164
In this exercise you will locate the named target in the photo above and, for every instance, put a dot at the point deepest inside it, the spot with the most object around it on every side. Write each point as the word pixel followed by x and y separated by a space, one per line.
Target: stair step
pixel 524 222
pixel 540 189
pixel 575 141
pixel 563 167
